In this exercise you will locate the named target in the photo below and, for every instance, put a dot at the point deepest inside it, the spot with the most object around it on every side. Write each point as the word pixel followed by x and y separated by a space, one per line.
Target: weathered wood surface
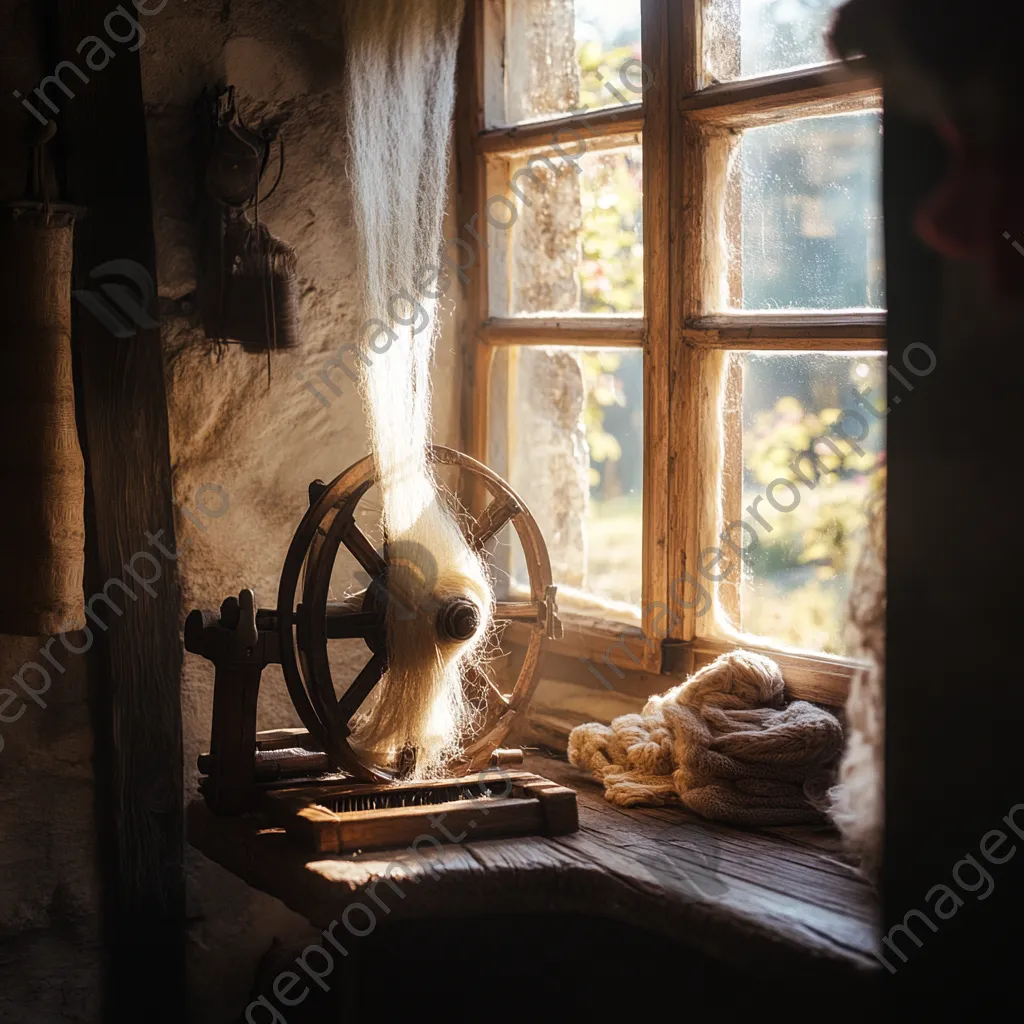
pixel 768 99
pixel 135 663
pixel 779 899
pixel 522 804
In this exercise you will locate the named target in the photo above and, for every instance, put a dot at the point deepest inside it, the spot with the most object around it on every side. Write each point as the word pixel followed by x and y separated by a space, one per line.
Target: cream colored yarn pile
pixel 724 744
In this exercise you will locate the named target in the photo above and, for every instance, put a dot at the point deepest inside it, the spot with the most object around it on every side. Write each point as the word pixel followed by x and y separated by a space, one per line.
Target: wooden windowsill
pixel 591 639
pixel 778 898
pixel 614 656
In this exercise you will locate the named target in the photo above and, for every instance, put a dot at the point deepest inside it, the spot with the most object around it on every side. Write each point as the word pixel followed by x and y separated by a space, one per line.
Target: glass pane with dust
pixel 575 244
pixel 745 38
pixel 567 433
pixel 803 217
pixel 813 465
pixel 562 57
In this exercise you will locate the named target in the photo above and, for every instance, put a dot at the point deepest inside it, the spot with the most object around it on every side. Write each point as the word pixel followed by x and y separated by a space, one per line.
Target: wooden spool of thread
pixel 42 472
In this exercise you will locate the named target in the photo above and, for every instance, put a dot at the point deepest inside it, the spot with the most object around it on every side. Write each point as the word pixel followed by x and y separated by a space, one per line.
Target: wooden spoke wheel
pixel 305 628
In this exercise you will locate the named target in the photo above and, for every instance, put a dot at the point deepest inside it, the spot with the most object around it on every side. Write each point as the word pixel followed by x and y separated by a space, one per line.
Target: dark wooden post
pixel 954 705
pixel 135 661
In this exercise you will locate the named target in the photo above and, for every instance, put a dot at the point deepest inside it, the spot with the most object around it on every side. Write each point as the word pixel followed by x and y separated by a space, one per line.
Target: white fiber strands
pixel 725 744
pixel 401 91
pixel 858 801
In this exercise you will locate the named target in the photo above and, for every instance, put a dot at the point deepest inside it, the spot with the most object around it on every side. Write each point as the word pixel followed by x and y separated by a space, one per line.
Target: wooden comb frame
pixel 488 804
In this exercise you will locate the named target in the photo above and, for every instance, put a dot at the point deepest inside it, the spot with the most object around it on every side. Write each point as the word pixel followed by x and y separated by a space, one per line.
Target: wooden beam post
pixel 135 662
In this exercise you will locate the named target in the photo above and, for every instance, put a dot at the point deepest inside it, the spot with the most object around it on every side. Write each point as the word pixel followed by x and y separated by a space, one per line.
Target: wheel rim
pixel 330 524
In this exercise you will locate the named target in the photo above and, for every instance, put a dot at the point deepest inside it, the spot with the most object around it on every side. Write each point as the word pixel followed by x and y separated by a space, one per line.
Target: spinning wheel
pixel 242 640
pixel 305 630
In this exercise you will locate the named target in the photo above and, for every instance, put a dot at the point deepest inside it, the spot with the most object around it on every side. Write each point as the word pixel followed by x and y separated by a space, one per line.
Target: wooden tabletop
pixel 780 898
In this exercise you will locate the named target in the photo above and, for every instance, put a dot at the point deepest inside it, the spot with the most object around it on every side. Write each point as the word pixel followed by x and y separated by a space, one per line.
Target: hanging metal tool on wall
pixel 248 286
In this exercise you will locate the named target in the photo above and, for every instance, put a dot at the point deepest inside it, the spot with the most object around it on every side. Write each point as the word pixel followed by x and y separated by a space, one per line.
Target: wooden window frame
pixel 685 126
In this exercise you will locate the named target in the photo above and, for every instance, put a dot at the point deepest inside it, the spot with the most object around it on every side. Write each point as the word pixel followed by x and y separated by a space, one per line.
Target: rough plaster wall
pixel 49 944
pixel 262 445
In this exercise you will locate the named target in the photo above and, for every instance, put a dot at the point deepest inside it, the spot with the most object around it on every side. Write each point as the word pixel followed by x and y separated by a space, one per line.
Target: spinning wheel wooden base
pixel 242 640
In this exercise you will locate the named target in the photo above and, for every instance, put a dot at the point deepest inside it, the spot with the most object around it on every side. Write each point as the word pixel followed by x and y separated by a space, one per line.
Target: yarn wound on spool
pixel 42 472
pixel 725 744
pixel 400 99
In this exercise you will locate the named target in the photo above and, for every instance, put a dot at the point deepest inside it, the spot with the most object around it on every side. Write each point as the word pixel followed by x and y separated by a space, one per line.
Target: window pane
pixel 813 460
pixel 561 57
pixel 576 244
pixel 803 215
pixel 743 38
pixel 567 433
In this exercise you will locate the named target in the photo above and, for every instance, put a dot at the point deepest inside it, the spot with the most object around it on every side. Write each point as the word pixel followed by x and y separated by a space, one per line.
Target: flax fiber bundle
pixel 858 800
pixel 724 743
pixel 42 474
pixel 400 94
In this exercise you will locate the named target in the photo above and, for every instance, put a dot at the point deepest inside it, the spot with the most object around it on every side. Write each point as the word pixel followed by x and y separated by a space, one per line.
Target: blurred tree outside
pixel 612 259
pixel 780 34
pixel 795 588
pixel 810 229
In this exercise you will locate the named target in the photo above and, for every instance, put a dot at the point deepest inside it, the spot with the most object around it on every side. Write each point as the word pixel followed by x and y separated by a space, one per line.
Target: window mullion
pixel 472 194
pixel 659 47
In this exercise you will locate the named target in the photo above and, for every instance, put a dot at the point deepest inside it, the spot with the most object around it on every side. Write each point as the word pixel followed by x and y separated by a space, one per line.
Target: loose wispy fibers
pixel 400 96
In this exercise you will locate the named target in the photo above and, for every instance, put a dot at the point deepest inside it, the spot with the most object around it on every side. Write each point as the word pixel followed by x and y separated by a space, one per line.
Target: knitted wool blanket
pixel 725 744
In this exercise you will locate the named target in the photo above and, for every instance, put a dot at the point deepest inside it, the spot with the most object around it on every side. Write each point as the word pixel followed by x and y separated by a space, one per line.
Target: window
pixel 746 38
pixel 676 338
